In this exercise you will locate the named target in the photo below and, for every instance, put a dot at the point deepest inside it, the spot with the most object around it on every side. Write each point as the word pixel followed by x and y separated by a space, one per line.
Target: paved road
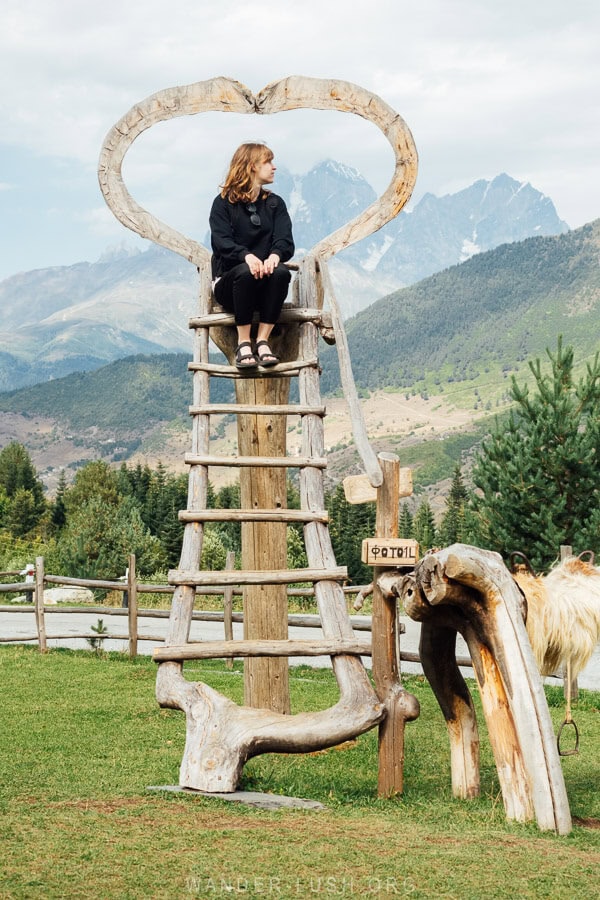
pixel 17 625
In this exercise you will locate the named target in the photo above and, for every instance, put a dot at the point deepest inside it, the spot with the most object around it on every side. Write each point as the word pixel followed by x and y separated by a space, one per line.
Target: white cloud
pixel 484 87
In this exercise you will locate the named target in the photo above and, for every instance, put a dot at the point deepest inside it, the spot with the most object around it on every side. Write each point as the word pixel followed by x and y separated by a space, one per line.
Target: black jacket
pixel 233 236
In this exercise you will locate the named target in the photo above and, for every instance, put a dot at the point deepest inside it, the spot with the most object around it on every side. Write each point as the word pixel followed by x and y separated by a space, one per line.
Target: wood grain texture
pixel 466 590
pixel 226 95
pixel 220 735
pixel 399 704
pixel 264 648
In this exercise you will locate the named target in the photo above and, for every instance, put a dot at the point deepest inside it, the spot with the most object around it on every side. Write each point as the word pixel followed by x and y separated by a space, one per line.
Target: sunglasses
pixel 254 217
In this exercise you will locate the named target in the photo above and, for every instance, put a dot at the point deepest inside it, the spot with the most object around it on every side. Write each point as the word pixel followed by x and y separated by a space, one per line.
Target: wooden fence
pixel 133 613
pixel 133 588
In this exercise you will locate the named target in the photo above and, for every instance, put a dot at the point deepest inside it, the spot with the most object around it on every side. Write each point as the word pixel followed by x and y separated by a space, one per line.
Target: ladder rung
pixel 288 315
pixel 235 576
pixel 252 515
pixel 299 462
pixel 283 409
pixel 229 649
pixel 285 368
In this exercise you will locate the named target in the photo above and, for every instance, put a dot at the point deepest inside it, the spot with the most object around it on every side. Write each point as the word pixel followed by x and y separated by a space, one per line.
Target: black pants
pixel 242 294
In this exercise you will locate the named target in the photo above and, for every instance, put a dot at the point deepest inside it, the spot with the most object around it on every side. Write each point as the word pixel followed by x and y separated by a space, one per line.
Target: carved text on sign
pixel 390 552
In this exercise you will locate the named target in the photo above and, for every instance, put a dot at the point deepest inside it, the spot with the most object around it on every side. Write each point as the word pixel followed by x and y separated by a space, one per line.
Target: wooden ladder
pixel 360 708
pixel 221 735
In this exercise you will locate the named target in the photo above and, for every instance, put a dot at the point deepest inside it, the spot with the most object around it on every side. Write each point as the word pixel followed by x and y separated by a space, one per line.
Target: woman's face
pixel 264 172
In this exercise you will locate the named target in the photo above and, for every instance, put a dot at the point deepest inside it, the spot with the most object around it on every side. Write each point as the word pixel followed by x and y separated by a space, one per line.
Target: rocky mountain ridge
pixel 77 318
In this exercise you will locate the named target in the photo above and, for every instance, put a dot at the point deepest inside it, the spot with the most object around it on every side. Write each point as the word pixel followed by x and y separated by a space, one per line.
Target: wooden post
pixel 228 605
pixel 39 603
pixel 565 552
pixel 264 544
pixel 132 608
pixel 399 705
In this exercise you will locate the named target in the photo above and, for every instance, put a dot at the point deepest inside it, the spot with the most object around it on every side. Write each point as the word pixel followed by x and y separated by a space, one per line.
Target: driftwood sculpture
pixel 469 591
pixel 220 735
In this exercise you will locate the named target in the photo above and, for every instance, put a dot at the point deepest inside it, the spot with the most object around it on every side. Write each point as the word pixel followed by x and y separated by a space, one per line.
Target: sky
pixel 484 86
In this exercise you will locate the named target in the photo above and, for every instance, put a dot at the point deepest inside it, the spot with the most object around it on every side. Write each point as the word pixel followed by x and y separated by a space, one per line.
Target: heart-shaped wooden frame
pixel 226 95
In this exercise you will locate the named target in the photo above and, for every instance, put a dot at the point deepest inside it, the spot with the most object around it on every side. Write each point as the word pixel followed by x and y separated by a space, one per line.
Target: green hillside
pixel 124 396
pixel 457 335
pixel 480 318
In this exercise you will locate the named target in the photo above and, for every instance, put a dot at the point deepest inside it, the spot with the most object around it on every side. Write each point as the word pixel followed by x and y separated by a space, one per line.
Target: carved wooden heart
pixel 226 95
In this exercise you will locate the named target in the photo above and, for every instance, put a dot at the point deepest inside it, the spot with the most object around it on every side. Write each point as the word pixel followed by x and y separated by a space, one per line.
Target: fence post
pixel 565 552
pixel 40 620
pixel 132 609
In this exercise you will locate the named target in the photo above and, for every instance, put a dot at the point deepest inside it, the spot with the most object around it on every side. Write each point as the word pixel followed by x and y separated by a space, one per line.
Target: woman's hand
pixel 256 265
pixel 270 263
pixel 258 268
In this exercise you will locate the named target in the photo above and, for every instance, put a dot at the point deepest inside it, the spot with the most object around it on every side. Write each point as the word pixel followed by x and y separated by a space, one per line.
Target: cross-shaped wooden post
pixel 385 550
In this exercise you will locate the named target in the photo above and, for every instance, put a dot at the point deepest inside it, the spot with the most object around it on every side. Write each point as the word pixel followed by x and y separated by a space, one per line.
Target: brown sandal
pixel 245 360
pixel 266 358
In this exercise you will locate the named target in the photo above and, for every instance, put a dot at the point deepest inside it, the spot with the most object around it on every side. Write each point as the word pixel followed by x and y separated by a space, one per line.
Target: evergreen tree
pixel 538 475
pixel 296 551
pixel 214 553
pixel 99 537
pixel 17 475
pixel 95 480
pixel 21 515
pixel 453 526
pixel 405 522
pixel 424 526
pixel 59 510
pixel 349 524
pixel 171 534
pixel 124 481
pixel 228 497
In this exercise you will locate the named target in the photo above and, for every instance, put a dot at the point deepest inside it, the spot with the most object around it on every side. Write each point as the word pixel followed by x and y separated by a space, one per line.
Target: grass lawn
pixel 81 737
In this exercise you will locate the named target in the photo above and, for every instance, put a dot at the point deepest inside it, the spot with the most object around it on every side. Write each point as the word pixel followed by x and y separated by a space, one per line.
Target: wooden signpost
pixel 358 488
pixel 385 550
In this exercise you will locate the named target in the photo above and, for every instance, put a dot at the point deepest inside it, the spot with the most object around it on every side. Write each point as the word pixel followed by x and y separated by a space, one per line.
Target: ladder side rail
pixel 352 678
pixel 359 428
pixel 184 596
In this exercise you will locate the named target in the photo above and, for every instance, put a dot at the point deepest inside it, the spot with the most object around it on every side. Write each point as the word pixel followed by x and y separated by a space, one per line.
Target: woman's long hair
pixel 239 183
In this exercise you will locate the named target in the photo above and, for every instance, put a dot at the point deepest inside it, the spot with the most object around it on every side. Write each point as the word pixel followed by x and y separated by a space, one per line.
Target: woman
pixel 251 238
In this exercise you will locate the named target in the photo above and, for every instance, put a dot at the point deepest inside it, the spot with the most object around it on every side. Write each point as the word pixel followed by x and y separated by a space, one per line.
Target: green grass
pixel 81 738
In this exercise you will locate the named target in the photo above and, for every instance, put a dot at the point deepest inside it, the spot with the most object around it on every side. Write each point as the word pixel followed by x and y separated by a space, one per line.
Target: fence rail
pixel 130 587
pixel 133 613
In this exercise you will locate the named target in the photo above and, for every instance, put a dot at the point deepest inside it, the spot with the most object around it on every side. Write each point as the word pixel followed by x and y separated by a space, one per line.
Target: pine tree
pixel 228 497
pixel 538 475
pixel 95 480
pixel 452 528
pixel 19 478
pixel 424 526
pixel 349 524
pixel 98 539
pixel 405 522
pixel 59 511
pixel 21 515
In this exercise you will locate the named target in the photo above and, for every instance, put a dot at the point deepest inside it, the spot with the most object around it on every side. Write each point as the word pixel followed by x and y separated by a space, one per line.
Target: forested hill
pixel 499 307
pixel 126 396
pixel 489 313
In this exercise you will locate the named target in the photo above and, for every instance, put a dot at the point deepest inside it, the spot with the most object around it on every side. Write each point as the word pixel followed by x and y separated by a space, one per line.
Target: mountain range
pixel 77 318
pixel 436 355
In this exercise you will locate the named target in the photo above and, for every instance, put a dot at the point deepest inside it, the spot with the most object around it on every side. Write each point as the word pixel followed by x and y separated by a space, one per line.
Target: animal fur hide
pixel 563 614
